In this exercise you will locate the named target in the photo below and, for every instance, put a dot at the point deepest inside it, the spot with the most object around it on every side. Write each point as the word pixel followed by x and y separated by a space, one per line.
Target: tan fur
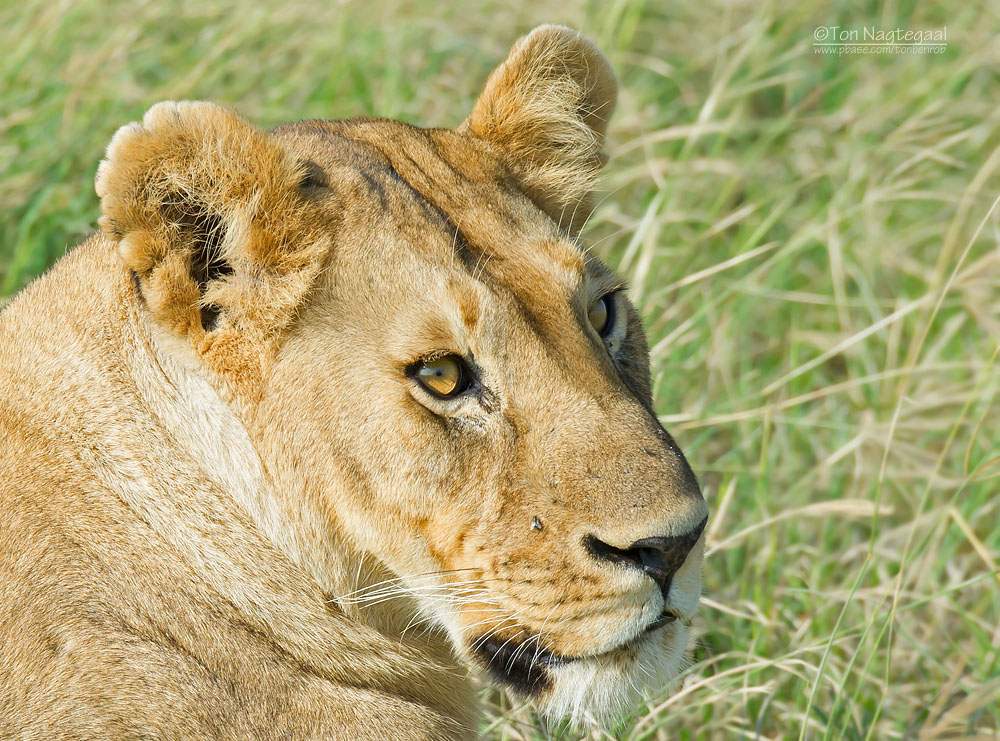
pixel 228 510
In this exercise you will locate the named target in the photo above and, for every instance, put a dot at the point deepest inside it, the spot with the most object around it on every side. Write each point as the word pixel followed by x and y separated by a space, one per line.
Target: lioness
pixel 325 416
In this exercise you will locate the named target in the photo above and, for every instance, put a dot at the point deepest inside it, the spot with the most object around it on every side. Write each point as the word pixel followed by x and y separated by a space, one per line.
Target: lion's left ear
pixel 547 107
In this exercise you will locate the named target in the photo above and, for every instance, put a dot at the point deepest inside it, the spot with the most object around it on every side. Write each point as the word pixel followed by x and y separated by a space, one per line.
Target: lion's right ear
pixel 547 108
pixel 207 211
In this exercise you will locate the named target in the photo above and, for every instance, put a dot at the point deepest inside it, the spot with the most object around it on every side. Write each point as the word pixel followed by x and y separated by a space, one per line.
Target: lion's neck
pixel 213 436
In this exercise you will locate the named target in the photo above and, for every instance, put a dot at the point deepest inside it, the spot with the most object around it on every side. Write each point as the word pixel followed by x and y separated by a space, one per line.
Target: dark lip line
pixel 509 664
pixel 551 659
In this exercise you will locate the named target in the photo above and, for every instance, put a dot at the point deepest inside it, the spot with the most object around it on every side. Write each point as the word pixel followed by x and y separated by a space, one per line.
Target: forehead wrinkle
pixel 525 257
pixel 374 195
pixel 487 218
pixel 524 262
pixel 458 245
pixel 484 235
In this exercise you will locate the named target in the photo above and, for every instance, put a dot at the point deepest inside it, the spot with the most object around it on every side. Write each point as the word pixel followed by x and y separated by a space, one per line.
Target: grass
pixel 812 239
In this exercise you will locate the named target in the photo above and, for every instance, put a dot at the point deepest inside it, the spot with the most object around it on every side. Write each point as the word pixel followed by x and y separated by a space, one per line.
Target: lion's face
pixel 477 397
pixel 463 389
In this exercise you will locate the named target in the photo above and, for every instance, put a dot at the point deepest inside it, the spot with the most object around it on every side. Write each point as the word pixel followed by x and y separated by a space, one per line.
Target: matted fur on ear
pixel 207 211
pixel 548 106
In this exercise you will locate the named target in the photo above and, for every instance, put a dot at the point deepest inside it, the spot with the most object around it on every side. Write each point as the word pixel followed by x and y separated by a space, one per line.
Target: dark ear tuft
pixel 313 176
pixel 203 231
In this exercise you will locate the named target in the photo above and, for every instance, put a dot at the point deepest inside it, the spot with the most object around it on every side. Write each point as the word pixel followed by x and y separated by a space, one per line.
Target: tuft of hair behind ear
pixel 547 107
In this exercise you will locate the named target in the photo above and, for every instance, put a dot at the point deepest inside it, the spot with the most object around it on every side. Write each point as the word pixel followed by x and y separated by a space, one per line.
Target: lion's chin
pixel 600 689
pixel 589 690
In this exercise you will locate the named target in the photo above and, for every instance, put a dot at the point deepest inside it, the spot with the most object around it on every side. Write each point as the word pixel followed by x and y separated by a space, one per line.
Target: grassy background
pixel 811 239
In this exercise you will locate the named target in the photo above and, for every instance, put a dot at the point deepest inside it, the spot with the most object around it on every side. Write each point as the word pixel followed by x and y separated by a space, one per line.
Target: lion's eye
pixel 599 315
pixel 445 376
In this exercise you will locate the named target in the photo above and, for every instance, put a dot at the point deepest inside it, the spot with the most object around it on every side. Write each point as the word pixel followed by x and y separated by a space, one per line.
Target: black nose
pixel 658 557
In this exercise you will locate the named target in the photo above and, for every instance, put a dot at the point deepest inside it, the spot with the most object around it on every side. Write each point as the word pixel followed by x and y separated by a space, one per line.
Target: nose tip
pixel 658 557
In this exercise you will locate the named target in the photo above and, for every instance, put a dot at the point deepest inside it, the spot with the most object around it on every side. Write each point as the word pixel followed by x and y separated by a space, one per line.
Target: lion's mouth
pixel 522 665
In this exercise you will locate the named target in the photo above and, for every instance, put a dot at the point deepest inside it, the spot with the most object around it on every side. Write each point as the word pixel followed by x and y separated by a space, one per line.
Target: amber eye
pixel 445 376
pixel 599 315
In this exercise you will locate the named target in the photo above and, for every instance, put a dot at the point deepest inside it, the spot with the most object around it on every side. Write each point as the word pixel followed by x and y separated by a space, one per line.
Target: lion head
pixel 447 392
